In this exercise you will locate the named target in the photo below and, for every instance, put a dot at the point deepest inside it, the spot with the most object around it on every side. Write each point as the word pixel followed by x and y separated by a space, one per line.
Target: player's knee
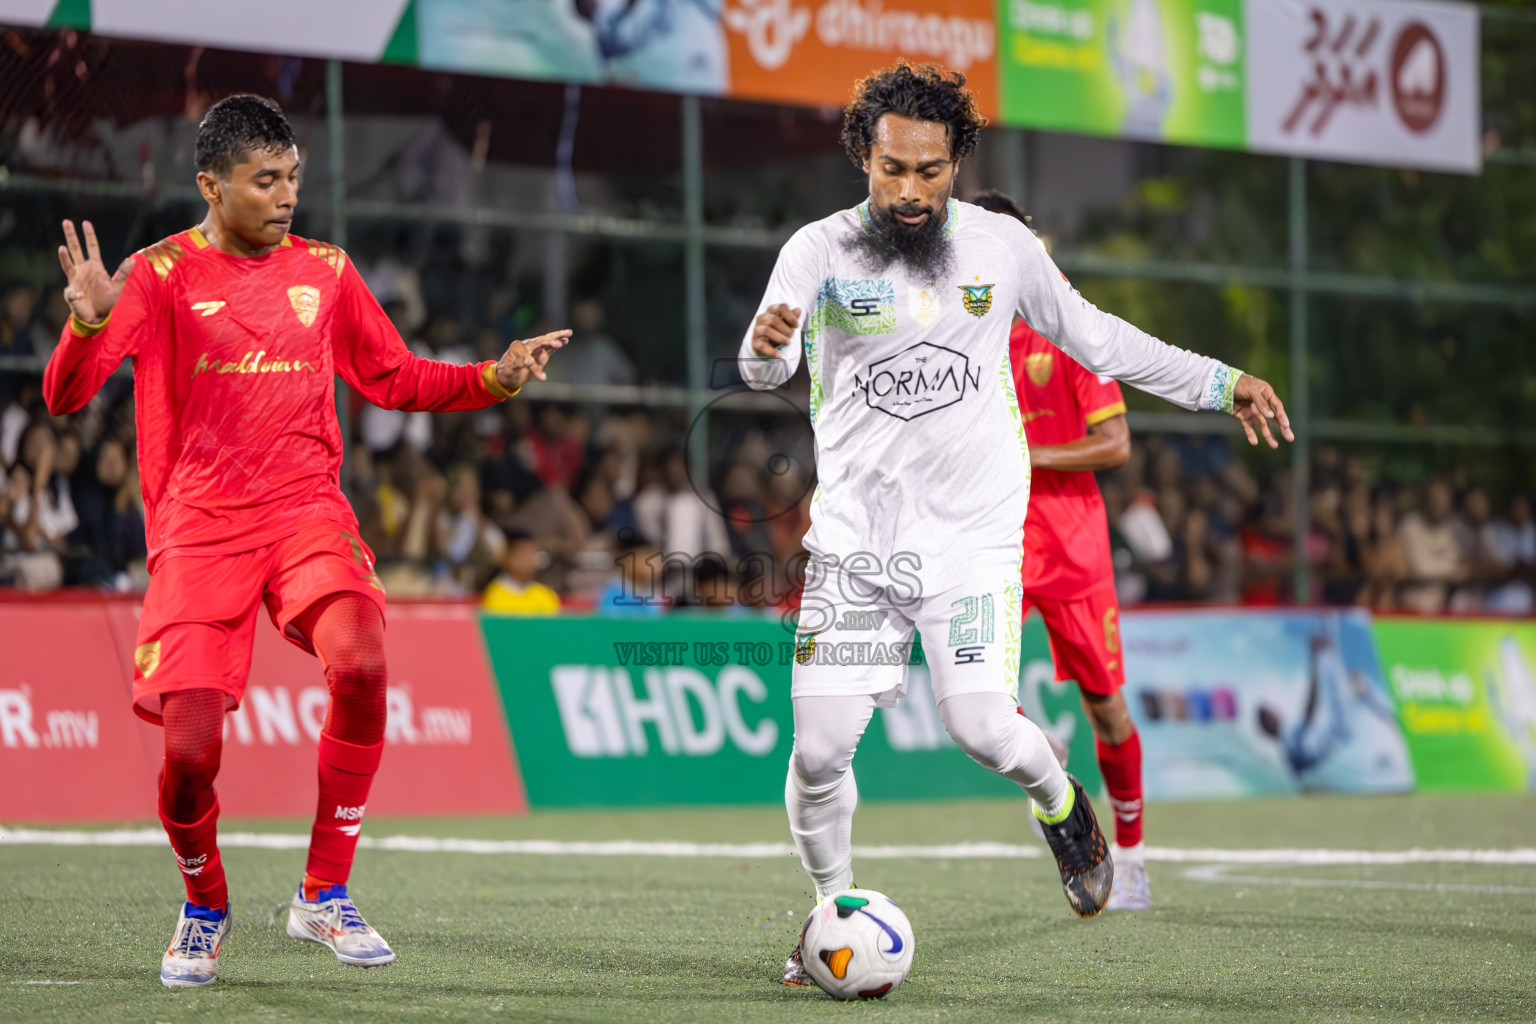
pixel 358 672
pixel 819 764
pixel 187 777
pixel 983 730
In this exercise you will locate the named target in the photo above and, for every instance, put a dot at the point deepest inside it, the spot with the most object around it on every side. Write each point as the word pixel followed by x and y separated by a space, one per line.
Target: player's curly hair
pixel 924 92
pixel 237 125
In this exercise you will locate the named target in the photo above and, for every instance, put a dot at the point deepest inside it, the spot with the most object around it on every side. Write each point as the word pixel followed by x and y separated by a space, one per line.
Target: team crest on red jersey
pixel 1038 366
pixel 305 299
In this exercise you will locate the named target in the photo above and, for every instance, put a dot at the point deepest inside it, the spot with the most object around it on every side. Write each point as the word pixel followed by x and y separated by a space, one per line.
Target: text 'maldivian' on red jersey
pixel 234 390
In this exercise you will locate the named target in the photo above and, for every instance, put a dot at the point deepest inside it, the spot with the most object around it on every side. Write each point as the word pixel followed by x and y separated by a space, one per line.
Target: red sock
pixel 347 631
pixel 197 851
pixel 1121 767
pixel 346 773
pixel 194 725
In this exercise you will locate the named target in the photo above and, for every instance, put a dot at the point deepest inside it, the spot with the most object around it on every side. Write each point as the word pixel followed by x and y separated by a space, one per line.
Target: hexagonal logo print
pixel 922 379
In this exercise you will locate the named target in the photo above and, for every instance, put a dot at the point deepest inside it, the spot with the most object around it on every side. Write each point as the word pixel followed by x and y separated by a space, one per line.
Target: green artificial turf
pixel 616 939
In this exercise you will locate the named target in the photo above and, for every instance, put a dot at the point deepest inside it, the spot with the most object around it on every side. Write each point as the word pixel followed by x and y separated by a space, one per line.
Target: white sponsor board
pixel 1371 81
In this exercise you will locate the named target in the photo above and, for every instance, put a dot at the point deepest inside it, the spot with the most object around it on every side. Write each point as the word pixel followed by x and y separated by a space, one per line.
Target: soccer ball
pixel 857 945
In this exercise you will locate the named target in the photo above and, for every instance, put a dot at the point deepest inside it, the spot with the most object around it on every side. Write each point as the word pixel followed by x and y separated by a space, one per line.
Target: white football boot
pixel 192 960
pixel 332 920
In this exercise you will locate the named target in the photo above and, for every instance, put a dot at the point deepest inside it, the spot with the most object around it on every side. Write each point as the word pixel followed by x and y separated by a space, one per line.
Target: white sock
pixel 821 821
pixel 1130 854
pixel 820 793
pixel 988 727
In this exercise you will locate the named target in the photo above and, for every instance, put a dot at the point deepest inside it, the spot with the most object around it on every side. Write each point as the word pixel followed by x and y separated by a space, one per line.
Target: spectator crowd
pixel 538 505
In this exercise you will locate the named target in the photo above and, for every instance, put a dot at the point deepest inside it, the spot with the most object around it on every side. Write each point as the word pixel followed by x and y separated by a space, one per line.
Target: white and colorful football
pixel 857 945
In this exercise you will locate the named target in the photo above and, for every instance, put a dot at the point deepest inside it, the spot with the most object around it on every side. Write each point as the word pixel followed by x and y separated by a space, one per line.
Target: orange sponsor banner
pixel 812 51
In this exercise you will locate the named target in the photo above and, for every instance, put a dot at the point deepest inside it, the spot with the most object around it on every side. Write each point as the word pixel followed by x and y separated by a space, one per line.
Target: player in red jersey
pixel 1075 423
pixel 236 329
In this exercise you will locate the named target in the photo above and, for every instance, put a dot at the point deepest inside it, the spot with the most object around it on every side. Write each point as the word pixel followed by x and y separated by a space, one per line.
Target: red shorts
pixel 1085 638
pixel 199 618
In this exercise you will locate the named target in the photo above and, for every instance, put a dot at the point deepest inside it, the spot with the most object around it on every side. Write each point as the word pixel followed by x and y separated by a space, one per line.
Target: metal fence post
pixel 336 143
pixel 1296 402
pixel 694 319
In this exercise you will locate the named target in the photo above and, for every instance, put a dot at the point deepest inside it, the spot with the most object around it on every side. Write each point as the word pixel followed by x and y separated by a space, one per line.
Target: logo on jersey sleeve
pixel 1038 366
pixel 977 298
pixel 305 300
pixel 923 304
pixel 856 306
pixel 917 381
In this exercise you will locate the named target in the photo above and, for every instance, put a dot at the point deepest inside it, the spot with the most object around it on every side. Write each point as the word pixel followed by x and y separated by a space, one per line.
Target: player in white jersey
pixel 901 310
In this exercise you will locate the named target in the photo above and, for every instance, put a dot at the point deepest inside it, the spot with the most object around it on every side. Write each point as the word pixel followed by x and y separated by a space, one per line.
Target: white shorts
pixel 855 638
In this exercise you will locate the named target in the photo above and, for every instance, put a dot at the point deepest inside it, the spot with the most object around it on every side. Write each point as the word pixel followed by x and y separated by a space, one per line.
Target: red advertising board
pixel 72 750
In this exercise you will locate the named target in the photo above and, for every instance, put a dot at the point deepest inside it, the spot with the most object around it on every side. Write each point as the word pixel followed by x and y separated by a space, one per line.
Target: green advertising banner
pixel 1165 70
pixel 1466 699
pixel 696 709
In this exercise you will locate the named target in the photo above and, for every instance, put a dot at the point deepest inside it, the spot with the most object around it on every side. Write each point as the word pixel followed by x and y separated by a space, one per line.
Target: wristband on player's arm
pixel 81 329
pixel 494 386
pixel 1221 390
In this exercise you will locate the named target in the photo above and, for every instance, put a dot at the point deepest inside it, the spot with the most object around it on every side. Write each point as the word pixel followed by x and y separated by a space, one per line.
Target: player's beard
pixel 924 251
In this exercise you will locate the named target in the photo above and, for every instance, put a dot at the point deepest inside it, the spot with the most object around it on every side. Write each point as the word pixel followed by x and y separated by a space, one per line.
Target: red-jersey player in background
pixel 236 329
pixel 1075 423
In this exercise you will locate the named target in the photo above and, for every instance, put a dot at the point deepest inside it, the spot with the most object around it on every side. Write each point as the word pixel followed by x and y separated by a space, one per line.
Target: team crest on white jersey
pixel 923 304
pixel 977 298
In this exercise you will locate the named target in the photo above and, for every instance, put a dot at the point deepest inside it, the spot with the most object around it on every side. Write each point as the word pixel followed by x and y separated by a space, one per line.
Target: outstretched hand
pixel 91 292
pixel 524 359
pixel 1255 402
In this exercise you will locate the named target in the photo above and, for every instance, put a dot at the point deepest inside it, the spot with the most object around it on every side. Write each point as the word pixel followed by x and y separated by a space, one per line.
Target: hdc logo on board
pixel 607 712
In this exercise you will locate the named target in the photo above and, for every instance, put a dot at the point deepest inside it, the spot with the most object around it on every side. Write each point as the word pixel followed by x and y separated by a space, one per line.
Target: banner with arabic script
pixel 1369 81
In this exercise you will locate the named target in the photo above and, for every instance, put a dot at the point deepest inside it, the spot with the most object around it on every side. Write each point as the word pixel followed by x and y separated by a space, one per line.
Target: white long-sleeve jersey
pixel 920 448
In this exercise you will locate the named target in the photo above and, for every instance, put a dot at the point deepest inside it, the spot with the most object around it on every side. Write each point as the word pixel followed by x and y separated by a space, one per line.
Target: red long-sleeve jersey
pixel 234 389
pixel 1066 534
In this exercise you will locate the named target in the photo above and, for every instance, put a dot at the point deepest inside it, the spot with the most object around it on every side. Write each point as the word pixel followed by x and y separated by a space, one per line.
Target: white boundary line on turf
pixel 1220 874
pixel 154 837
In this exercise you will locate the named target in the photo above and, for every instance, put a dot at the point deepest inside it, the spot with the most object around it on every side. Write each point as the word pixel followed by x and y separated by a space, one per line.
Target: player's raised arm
pixel 108 313
pixel 372 357
pixel 770 351
pixel 1108 345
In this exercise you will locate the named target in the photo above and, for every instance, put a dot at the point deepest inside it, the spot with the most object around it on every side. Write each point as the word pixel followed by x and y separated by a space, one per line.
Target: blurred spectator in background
pixel 21 330
pixel 554 445
pixel 468 544
pixel 680 515
pixel 635 590
pixel 24 408
pixel 1437 547
pixel 1384 560
pixel 1514 540
pixel 40 514
pixel 515 591
pixel 596 359
pixel 111 531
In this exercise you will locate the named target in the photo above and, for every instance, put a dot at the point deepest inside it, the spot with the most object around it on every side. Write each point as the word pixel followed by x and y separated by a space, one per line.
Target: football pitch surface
pixel 684 934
